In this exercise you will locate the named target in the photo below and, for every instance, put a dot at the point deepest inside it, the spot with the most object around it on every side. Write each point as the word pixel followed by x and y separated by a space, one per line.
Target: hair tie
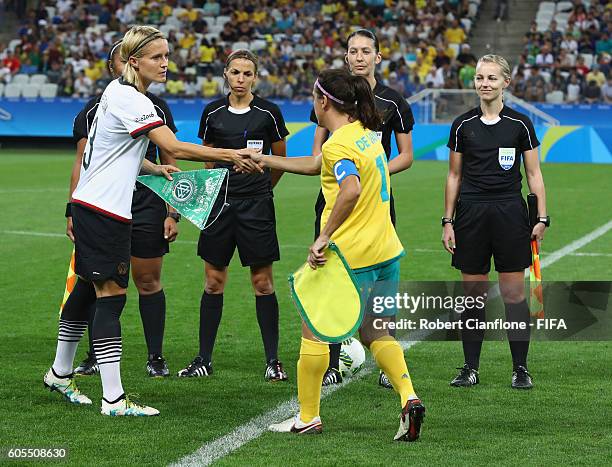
pixel 335 99
pixel 150 38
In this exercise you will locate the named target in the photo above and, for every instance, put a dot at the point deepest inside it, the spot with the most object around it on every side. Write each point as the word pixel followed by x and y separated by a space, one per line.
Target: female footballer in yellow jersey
pixel 355 183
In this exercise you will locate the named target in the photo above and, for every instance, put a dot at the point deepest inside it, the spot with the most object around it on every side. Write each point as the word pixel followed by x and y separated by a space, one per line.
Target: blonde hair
pixel 134 45
pixel 499 60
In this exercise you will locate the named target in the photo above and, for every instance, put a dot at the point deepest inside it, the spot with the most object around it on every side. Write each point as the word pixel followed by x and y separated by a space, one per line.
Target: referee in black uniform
pixel 247 221
pixel 153 227
pixel 483 194
pixel 362 56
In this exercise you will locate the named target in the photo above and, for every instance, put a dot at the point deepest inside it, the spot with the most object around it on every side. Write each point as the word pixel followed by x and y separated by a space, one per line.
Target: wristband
pixel 68 209
pixel 174 215
pixel 447 220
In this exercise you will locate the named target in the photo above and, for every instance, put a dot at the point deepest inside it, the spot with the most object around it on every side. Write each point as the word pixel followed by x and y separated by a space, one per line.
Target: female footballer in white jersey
pixel 101 212
pixel 154 226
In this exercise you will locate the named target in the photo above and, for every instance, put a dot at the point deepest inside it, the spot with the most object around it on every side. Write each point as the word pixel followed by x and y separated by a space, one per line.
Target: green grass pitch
pixel 566 419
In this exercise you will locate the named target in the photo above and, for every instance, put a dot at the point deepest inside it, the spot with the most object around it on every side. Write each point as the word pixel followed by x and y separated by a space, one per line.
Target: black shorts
pixel 499 228
pixel 148 215
pixel 320 206
pixel 102 246
pixel 250 225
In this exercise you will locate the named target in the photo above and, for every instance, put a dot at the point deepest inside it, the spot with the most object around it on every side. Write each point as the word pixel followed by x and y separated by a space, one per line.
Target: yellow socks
pixel 311 367
pixel 389 357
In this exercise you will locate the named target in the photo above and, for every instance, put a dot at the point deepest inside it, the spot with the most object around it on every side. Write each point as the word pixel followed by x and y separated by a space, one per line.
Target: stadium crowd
pixel 424 43
pixel 566 55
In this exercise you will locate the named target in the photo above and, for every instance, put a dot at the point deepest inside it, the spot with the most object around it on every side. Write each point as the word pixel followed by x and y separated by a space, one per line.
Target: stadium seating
pixel 30 90
pixel 48 90
pixel 12 90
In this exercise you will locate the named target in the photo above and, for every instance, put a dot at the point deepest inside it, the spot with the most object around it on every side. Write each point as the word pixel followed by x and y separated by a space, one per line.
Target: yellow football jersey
pixel 367 237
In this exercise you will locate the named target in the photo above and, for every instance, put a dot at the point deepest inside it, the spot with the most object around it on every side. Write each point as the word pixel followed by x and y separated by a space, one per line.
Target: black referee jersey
pixel 255 127
pixel 491 152
pixel 83 121
pixel 397 114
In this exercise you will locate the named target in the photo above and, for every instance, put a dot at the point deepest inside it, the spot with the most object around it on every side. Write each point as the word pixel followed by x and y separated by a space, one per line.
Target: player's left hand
pixel 170 229
pixel 538 232
pixel 166 170
pixel 316 257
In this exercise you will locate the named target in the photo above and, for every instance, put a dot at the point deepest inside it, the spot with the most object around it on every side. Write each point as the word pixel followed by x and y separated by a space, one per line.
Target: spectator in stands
pixel 466 56
pixel 545 57
pixel 557 81
pixel 394 84
pixel 564 60
pixel 83 86
pixel 264 88
pixel 569 44
pixel 604 43
pixel 11 62
pixel 210 87
pixel 535 86
pixel 596 75
pixel 592 92
pixel 574 89
pixel 518 84
pixel 455 33
pixel 54 73
pixel 580 66
pixel 556 36
pixel 466 75
pixel 191 86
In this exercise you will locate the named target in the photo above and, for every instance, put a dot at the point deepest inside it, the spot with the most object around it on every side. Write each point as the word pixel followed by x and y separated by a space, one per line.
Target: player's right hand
pixel 244 162
pixel 448 238
pixel 69 231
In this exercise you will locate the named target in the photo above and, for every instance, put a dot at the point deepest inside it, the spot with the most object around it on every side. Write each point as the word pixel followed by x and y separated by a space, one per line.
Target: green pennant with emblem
pixel 192 193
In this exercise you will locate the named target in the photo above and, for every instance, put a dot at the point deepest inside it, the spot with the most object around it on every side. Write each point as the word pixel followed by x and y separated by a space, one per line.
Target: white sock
pixel 108 354
pixel 112 388
pixel 69 335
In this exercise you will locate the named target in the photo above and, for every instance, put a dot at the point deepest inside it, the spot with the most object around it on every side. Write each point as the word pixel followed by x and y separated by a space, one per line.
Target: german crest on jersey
pixel 506 157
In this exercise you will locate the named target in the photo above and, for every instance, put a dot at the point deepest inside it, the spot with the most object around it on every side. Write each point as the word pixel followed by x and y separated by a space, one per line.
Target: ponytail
pixel 366 107
pixel 350 95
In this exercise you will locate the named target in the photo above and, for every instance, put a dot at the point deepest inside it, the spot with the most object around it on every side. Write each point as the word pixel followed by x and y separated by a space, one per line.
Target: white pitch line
pixel 254 428
pixel 575 245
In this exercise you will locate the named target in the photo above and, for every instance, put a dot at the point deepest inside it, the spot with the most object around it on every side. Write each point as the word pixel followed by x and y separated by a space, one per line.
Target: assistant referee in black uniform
pixel 485 214
pixel 362 56
pixel 248 221
pixel 153 227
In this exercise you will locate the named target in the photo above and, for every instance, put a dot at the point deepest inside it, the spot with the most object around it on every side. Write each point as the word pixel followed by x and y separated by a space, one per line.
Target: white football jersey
pixel 116 146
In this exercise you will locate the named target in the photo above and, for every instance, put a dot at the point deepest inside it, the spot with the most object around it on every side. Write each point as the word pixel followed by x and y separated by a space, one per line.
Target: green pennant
pixel 192 193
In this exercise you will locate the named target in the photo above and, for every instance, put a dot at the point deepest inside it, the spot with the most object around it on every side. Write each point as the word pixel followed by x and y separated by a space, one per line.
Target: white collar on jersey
pixel 490 122
pixel 234 110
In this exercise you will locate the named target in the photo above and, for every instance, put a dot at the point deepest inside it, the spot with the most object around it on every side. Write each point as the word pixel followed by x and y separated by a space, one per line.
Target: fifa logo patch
pixel 506 157
pixel 183 190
